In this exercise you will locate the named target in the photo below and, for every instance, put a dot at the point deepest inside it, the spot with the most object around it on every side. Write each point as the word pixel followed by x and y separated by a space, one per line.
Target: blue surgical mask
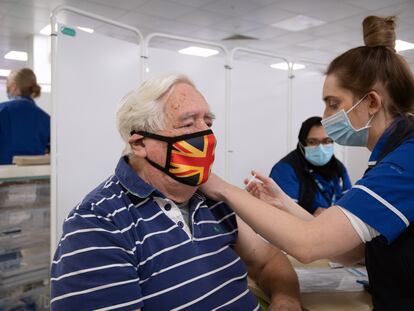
pixel 319 155
pixel 339 127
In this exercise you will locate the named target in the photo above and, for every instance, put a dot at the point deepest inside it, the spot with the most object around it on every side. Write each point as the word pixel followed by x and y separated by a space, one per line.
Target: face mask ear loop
pixel 369 121
pixel 302 148
pixel 358 102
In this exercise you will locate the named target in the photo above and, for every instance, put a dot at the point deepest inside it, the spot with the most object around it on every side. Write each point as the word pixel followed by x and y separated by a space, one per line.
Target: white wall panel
pixel 93 73
pixel 258 119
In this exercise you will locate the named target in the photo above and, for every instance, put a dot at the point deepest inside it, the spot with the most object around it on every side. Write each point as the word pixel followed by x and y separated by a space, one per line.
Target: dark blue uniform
pixel 383 199
pixel 24 129
pixel 327 191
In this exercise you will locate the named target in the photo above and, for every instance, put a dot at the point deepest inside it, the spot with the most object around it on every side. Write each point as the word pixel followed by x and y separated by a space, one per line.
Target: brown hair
pixel 361 69
pixel 26 82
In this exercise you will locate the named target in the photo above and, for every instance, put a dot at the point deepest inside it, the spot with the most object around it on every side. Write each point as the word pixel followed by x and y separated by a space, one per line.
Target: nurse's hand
pixel 265 189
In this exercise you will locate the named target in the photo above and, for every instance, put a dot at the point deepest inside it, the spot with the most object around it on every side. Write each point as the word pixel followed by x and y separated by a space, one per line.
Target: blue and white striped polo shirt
pixel 383 198
pixel 121 251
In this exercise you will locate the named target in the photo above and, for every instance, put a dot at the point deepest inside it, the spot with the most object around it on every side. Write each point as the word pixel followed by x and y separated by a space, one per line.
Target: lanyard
pixel 331 200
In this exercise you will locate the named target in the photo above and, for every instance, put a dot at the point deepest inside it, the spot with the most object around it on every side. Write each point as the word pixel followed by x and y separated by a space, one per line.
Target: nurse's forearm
pixel 293 208
pixel 285 231
pixel 326 236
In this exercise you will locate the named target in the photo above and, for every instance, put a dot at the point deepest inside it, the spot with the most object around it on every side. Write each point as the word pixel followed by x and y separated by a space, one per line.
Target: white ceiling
pixel 214 20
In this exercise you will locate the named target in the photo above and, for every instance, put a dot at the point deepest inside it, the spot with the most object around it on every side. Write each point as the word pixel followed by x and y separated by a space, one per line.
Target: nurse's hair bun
pixel 379 31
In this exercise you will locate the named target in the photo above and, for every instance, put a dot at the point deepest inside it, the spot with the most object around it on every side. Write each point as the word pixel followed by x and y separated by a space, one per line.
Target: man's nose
pixel 202 125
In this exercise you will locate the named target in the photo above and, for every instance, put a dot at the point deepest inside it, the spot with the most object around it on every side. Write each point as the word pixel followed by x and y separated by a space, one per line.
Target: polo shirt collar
pixel 131 180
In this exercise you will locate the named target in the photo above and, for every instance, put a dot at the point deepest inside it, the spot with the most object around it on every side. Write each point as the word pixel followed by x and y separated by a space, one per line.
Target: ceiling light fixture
pixel 4 72
pixel 46 30
pixel 284 66
pixel 298 22
pixel 401 45
pixel 197 51
pixel 86 29
pixel 16 55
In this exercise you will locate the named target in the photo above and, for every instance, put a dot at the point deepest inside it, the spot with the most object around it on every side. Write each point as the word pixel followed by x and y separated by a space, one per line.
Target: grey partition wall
pixel 91 73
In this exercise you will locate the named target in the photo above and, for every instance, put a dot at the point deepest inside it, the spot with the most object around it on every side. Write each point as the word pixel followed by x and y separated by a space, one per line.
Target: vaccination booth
pixel 258 109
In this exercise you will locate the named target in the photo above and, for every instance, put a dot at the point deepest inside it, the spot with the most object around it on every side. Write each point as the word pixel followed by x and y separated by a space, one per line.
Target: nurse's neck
pixel 378 126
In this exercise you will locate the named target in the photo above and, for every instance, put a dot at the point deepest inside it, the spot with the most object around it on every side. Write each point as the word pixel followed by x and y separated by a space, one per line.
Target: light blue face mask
pixel 339 127
pixel 319 155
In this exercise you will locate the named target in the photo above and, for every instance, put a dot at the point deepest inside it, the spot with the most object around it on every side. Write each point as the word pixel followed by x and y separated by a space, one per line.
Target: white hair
pixel 142 109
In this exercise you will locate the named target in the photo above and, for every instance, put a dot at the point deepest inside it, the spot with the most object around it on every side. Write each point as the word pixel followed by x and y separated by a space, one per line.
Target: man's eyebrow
pixel 211 115
pixel 189 115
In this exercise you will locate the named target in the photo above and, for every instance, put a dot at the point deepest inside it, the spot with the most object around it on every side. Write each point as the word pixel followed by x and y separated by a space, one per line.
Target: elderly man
pixel 146 239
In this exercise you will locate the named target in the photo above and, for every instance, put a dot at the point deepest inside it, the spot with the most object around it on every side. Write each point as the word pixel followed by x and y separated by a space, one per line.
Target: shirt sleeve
pixel 94 267
pixel 383 198
pixel 365 232
pixel 284 175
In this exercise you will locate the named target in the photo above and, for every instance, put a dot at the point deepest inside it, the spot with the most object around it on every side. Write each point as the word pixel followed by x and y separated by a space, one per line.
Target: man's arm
pixel 269 267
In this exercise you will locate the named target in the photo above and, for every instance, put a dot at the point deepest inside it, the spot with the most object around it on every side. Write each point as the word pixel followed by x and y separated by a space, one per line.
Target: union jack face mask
pixel 189 157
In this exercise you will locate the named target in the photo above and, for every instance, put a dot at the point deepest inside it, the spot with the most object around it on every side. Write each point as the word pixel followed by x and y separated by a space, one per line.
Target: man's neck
pixel 172 189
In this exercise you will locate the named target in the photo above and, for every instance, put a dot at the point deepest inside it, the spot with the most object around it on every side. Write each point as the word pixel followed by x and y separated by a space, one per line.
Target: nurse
pixel 311 174
pixel 24 127
pixel 369 97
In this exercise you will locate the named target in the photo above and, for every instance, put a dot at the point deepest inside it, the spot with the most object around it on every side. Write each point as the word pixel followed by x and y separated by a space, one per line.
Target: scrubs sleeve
pixel 383 198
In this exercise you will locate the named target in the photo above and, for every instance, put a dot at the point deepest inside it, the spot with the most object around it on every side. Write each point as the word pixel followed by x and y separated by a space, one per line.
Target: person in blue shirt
pixel 311 174
pixel 147 239
pixel 369 102
pixel 24 127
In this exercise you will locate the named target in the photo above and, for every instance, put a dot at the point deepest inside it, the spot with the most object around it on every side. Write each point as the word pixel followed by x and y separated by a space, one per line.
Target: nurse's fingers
pixel 251 186
pixel 260 176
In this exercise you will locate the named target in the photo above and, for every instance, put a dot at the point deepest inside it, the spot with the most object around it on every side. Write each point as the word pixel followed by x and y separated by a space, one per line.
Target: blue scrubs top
pixel 284 175
pixel 383 198
pixel 24 129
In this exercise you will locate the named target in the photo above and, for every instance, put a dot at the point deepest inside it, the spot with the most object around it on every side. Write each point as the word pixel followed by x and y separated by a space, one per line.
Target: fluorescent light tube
pixel 298 22
pixel 46 30
pixel 284 66
pixel 401 45
pixel 197 51
pixel 16 55
pixel 86 29
pixel 4 72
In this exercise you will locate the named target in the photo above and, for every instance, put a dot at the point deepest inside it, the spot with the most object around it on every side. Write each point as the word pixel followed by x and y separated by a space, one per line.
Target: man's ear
pixel 375 103
pixel 136 142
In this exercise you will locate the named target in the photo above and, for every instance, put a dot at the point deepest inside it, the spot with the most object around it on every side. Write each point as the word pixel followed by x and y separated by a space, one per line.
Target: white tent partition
pixel 88 83
pixel 307 100
pixel 208 75
pixel 258 118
